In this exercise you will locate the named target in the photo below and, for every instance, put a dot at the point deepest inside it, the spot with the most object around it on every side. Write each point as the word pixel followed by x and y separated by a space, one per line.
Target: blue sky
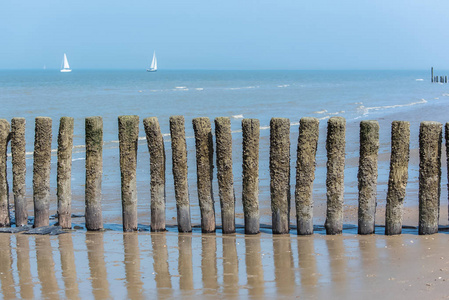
pixel 208 34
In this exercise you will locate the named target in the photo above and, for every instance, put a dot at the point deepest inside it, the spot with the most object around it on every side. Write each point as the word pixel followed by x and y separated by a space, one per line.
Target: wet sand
pixel 141 265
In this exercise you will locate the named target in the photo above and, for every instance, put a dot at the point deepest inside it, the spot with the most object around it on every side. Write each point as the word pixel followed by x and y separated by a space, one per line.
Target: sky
pixel 225 35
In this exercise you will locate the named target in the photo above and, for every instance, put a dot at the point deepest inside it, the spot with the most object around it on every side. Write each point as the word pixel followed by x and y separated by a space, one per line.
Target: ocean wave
pixel 366 110
pixel 181 88
pixel 419 79
pixel 445 95
pixel 237 117
pixel 243 88
pixel 283 85
pixel 320 111
pixel 199 89
pixel 81 158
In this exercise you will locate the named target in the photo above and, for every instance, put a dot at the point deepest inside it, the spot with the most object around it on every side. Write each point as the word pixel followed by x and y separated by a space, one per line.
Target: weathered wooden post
pixel 224 173
pixel 441 79
pixel 128 135
pixel 204 167
pixel 305 174
pixel 430 136
pixel 431 72
pixel 155 143
pixel 41 171
pixel 446 137
pixel 94 172
pixel 64 192
pixel 19 168
pixel 280 174
pixel 397 182
pixel 367 176
pixel 250 191
pixel 179 161
pixel 335 146
pixel 4 201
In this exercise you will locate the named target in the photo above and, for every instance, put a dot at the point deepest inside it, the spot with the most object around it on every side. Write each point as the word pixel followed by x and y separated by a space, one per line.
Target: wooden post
pixel 64 192
pixel 204 167
pixel 155 143
pixel 335 146
pixel 4 190
pixel 224 173
pixel 250 191
pixel 441 79
pixel 445 79
pixel 280 174
pixel 179 160
pixel 367 176
pixel 305 174
pixel 446 138
pixel 41 171
pixel 19 168
pixel 94 172
pixel 397 182
pixel 128 135
pixel 430 136
pixel 431 72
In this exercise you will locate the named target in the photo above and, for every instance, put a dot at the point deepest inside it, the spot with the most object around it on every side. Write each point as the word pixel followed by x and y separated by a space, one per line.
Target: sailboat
pixel 153 67
pixel 65 65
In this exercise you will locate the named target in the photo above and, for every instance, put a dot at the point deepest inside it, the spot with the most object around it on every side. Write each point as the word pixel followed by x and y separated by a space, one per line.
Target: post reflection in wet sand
pixel 134 284
pixel 337 264
pixel 209 263
pixel 97 265
pixel 160 264
pixel 307 264
pixel 7 280
pixel 230 267
pixel 68 266
pixel 283 265
pixel 254 268
pixel 23 267
pixel 185 268
pixel 46 268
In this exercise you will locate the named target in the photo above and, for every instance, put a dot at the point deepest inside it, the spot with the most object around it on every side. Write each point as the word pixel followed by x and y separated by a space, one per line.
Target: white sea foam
pixel 81 158
pixel 445 95
pixel 181 88
pixel 419 79
pixel 237 117
pixel 366 110
pixel 320 111
pixel 264 127
pixel 283 85
pixel 199 89
pixel 243 88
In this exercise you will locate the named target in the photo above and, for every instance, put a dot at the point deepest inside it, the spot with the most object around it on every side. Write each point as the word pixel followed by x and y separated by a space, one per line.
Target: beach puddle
pixel 116 265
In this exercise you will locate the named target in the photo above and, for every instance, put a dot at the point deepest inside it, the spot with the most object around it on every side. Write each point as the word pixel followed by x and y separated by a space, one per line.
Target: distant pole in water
pixel 128 135
pixel 335 146
pixel 367 176
pixel 41 171
pixel 204 167
pixel 64 193
pixel 250 177
pixel 397 182
pixel 431 72
pixel 4 201
pixel 94 172
pixel 155 143
pixel 305 173
pixel 430 136
pixel 180 174
pixel 18 153
pixel 225 177
pixel 280 174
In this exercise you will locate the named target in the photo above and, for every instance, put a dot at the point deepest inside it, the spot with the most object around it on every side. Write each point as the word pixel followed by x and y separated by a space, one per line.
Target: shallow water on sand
pixel 115 265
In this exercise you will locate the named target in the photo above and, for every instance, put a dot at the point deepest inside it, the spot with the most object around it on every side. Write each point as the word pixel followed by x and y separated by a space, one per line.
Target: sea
pixel 111 264
pixel 354 95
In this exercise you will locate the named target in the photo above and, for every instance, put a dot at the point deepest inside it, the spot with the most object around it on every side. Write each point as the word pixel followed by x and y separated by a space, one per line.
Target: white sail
pixel 153 66
pixel 65 65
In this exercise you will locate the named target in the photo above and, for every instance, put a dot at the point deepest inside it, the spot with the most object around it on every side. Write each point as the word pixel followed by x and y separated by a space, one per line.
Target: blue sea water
pixel 354 95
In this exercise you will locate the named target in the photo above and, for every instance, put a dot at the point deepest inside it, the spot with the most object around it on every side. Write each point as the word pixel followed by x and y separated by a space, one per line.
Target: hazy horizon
pixel 233 35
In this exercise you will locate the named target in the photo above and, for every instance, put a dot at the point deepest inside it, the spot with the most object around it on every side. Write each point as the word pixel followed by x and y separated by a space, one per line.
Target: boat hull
pixel 151 70
pixel 66 70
